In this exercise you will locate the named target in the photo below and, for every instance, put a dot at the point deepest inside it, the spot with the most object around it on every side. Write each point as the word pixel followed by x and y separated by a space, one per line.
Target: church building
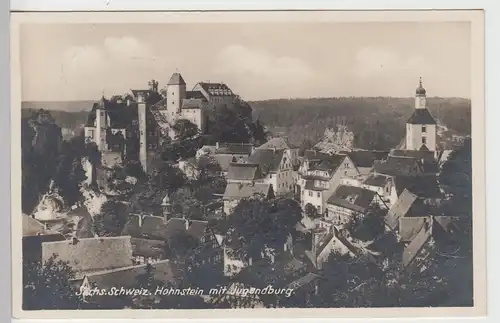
pixel 421 126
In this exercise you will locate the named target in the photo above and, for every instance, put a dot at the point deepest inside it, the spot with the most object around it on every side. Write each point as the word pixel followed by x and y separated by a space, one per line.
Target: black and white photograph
pixel 302 164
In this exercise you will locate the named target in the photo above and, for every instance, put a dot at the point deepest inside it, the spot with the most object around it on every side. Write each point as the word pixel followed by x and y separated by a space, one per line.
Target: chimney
pixel 250 261
pixel 140 219
pixel 186 222
pixel 217 145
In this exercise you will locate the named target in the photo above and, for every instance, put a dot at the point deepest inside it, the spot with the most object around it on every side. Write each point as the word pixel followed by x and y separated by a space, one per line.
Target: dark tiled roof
pixel 365 158
pixel 120 115
pixel 163 271
pixel 241 171
pixel 312 154
pixel 330 163
pixel 401 208
pixel 192 104
pixel 416 245
pixel 409 227
pixel 176 79
pixel 31 226
pixel 148 248
pixel 396 166
pixel 216 89
pixel 91 254
pixel 195 95
pixel 269 160
pixel 426 155
pixel 236 191
pixel 376 180
pixel 351 197
pixel 426 186
pixel 421 116
pixel 234 148
pixel 224 161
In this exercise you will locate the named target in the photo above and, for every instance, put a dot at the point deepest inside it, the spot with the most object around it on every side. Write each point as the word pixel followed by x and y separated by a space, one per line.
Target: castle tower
pixel 421 126
pixel 176 92
pixel 101 125
pixel 141 115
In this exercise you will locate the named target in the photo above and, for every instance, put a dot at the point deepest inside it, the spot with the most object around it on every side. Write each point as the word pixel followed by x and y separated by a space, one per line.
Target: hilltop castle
pixel 149 117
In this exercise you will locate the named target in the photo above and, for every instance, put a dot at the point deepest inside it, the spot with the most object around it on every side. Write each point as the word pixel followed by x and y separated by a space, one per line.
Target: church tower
pixel 421 126
pixel 176 92
pixel 101 125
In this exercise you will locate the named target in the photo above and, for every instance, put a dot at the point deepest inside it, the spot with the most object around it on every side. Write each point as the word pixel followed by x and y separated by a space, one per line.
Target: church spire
pixel 420 89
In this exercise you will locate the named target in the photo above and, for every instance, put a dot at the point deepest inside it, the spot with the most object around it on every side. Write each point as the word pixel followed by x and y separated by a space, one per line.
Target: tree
pixel 185 129
pixel 311 211
pixel 47 286
pixel 41 140
pixel 258 223
pixel 369 225
pixel 168 178
pixel 229 125
pixel 456 180
pixel 111 220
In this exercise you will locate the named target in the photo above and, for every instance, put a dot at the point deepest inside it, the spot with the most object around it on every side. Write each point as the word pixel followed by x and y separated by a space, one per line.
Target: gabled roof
pixel 224 161
pixel 416 245
pixel 192 104
pixel 236 191
pixel 352 198
pixel 176 79
pixel 330 163
pixel 234 148
pixel 195 95
pixel 426 155
pixel 269 160
pixel 91 254
pixel 421 116
pixel 243 171
pixel 312 154
pixel 276 143
pixel 426 186
pixel 163 271
pixel 409 227
pixel 32 227
pixel 376 180
pixel 365 158
pixel 216 89
pixel 148 248
pixel 404 206
pixel 395 166
pixel 120 115
pixel 156 228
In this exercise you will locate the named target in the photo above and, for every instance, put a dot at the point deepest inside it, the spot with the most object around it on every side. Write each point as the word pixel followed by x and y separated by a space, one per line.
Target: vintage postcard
pixel 296 164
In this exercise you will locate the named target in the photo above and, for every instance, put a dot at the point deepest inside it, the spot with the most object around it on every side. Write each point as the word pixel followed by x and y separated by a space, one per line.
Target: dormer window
pixel 424 129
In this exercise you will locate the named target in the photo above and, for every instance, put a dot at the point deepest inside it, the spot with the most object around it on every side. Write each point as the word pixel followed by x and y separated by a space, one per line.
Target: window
pixel 310 193
pixel 102 113
pixel 91 133
pixel 173 93
pixel 173 102
pixel 318 194
pixel 423 129
pixel 424 140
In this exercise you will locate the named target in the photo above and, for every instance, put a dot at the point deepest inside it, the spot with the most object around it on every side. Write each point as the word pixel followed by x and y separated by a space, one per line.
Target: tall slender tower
pixel 176 92
pixel 101 125
pixel 141 114
pixel 421 126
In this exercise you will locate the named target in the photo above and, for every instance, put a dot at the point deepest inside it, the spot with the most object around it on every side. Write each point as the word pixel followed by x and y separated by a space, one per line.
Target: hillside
pixel 378 123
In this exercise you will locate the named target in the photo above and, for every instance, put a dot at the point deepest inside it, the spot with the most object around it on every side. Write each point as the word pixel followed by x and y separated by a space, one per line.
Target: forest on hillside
pixel 378 123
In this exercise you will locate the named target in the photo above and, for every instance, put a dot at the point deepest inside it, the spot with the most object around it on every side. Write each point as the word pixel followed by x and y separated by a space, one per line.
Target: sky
pixel 258 61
